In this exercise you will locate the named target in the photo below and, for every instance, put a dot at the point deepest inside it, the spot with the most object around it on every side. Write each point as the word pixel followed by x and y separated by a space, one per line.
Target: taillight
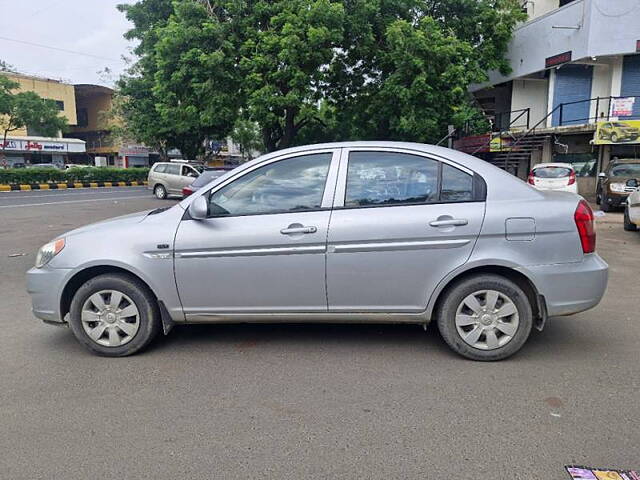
pixel 572 178
pixel 186 191
pixel 531 179
pixel 586 229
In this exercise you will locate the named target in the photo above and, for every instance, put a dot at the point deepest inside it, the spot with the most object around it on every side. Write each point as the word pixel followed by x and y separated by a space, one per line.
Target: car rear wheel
pixel 160 192
pixel 114 315
pixel 485 317
pixel 628 226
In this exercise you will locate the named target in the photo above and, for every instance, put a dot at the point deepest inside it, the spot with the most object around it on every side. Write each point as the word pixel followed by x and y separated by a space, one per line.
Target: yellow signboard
pixel 617 132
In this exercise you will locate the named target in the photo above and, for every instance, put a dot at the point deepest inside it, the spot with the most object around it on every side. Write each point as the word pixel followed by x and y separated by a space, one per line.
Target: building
pixel 26 146
pixel 574 91
pixel 95 125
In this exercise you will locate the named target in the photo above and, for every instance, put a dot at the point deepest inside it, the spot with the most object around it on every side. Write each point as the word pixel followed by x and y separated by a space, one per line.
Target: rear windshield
pixel 206 176
pixel 552 172
pixel 626 170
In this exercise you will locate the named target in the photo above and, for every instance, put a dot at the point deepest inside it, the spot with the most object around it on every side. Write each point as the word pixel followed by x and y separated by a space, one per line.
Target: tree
pixel 246 134
pixel 325 69
pixel 22 109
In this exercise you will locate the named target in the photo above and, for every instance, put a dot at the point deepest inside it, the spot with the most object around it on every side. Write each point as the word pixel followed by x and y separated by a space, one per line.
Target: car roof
pixel 559 165
pixel 625 160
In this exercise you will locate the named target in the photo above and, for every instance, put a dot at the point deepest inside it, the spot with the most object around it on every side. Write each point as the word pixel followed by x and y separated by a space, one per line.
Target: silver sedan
pixel 345 232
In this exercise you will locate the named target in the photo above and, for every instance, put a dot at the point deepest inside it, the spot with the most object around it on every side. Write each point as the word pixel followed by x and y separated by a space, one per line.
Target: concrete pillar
pixel 552 87
pixel 547 151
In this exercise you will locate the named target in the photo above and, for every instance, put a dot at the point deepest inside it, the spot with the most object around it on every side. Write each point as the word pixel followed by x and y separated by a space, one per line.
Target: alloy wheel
pixel 487 319
pixel 110 318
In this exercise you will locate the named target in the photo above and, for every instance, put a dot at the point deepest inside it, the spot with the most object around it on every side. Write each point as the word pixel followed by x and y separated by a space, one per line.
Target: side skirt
pixel 325 317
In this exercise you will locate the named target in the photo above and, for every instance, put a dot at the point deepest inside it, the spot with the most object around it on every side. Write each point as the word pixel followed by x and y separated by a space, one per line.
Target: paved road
pixel 79 196
pixel 295 401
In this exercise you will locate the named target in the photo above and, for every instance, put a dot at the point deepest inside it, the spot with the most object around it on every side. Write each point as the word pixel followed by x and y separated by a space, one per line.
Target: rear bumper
pixel 570 288
pixel 43 284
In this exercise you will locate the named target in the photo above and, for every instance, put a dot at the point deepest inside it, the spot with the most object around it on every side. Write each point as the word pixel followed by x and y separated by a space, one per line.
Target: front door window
pixel 292 185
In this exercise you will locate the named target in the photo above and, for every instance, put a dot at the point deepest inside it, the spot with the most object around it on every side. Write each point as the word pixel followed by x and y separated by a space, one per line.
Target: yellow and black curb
pixel 63 186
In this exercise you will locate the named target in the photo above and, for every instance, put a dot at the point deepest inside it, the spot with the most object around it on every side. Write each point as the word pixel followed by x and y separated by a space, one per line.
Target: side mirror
pixel 602 175
pixel 199 208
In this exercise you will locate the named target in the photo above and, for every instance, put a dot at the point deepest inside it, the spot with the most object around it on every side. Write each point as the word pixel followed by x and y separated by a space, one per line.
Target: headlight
pixel 48 251
pixel 617 187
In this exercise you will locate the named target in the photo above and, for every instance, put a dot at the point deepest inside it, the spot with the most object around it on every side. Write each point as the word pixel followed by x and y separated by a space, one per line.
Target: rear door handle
pixel 293 230
pixel 454 222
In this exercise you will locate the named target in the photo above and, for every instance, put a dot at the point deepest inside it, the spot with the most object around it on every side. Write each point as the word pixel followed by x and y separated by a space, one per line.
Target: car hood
pixel 111 222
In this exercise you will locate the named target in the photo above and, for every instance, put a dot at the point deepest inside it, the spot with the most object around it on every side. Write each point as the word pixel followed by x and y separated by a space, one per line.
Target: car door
pixel 401 222
pixel 262 248
pixel 171 177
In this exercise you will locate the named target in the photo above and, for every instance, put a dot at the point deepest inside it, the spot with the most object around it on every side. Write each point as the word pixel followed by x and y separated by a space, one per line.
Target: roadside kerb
pixel 62 186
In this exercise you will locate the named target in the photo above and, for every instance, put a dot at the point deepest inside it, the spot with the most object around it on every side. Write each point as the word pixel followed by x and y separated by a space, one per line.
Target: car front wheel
pixel 160 192
pixel 485 317
pixel 114 315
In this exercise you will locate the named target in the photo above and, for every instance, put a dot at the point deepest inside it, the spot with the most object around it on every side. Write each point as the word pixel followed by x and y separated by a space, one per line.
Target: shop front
pixel 25 151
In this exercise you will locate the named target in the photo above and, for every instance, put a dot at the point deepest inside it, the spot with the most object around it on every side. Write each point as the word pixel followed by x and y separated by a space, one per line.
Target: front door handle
pixel 291 230
pixel 453 222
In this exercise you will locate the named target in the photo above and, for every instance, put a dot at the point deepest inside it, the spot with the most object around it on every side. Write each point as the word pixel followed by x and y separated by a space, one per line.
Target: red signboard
pixel 558 59
pixel 474 144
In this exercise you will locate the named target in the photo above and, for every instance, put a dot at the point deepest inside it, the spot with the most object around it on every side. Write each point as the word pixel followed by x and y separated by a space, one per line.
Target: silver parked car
pixel 345 232
pixel 169 178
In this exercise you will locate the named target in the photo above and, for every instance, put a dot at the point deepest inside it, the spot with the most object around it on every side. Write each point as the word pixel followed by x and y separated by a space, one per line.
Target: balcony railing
pixel 581 112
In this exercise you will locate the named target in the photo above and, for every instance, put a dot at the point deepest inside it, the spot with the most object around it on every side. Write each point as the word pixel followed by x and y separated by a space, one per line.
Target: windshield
pixel 626 170
pixel 206 176
pixel 551 172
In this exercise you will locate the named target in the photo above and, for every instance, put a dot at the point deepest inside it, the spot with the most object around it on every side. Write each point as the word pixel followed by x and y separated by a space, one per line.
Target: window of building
pixel 83 117
pixel 59 104
pixel 291 185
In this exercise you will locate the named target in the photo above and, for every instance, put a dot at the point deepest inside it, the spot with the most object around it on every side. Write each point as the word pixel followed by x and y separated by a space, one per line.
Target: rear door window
pixel 172 169
pixel 389 178
pixel 457 186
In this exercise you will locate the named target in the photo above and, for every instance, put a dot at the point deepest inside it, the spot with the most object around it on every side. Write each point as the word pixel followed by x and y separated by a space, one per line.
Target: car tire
pixel 130 334
pixel 508 294
pixel 160 192
pixel 614 137
pixel 628 226
pixel 604 204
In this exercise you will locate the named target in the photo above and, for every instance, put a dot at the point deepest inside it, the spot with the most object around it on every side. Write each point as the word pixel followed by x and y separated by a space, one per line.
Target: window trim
pixel 478 183
pixel 329 185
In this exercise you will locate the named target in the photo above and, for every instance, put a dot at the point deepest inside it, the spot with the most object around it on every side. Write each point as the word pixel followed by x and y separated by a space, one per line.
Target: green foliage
pixel 246 134
pixel 54 175
pixel 311 69
pixel 18 110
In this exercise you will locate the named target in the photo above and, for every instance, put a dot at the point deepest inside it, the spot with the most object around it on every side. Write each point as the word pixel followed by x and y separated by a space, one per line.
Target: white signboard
pixel 622 107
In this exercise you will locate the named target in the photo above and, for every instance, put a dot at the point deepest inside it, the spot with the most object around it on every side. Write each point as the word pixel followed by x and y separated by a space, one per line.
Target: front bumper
pixel 616 199
pixel 570 288
pixel 44 285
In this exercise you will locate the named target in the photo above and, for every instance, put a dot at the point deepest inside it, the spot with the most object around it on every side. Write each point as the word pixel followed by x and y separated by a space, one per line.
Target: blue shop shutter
pixel 573 84
pixel 631 82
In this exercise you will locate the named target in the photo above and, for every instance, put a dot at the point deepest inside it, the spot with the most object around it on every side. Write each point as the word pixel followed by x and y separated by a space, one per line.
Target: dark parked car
pixel 205 177
pixel 612 190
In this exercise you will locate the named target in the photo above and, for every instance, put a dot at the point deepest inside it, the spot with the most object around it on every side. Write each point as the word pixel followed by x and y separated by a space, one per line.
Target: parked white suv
pixel 169 178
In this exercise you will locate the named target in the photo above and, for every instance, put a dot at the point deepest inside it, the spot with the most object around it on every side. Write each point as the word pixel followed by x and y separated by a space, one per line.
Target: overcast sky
pixel 92 27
